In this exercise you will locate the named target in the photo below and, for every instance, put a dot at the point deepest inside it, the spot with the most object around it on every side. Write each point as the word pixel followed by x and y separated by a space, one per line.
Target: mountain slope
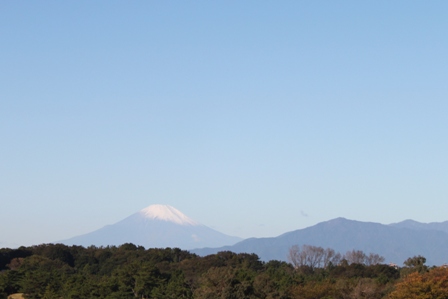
pixel 157 226
pixel 411 224
pixel 394 243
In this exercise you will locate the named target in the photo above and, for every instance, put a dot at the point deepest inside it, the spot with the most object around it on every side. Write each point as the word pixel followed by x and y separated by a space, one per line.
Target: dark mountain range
pixel 157 226
pixel 394 242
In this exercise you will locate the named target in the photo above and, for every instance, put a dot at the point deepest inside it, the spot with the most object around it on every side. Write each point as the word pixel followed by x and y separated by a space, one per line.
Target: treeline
pixel 53 271
pixel 318 257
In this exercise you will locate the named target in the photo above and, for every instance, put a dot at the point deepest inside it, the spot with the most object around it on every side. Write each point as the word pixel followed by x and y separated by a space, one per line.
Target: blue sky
pixel 252 117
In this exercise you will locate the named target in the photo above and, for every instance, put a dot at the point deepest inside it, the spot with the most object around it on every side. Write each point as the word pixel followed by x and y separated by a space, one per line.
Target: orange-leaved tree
pixel 429 285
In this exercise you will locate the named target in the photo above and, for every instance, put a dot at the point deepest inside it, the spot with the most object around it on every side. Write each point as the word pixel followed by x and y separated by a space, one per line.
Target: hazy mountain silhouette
pixel 411 224
pixel 164 226
pixel 157 226
pixel 394 242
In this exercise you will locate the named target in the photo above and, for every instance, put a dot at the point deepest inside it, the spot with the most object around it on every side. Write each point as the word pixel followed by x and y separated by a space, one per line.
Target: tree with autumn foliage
pixel 428 285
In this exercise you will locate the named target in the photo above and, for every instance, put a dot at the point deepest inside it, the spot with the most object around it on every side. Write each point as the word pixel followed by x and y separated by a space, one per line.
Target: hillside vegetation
pixel 128 271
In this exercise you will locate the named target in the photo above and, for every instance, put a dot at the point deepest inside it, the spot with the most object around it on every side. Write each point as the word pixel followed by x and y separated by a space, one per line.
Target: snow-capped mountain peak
pixel 157 226
pixel 167 213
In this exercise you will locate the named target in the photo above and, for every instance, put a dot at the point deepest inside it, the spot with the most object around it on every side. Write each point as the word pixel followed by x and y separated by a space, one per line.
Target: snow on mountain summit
pixel 167 213
pixel 157 226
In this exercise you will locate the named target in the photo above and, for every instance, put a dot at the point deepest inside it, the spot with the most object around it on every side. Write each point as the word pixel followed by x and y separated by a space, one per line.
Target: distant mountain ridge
pixel 157 226
pixel 412 224
pixel 161 226
pixel 395 242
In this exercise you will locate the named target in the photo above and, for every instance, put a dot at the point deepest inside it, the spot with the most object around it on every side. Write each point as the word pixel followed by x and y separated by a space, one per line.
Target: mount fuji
pixel 157 226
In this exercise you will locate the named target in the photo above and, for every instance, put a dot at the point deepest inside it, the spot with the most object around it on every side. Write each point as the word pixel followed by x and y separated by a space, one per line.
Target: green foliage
pixel 10 282
pixel 414 264
pixel 129 271
pixel 42 276
pixel 55 252
pixel 7 255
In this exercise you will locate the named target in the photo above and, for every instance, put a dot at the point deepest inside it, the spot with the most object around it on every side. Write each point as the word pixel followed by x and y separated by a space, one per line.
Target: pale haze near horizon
pixel 251 117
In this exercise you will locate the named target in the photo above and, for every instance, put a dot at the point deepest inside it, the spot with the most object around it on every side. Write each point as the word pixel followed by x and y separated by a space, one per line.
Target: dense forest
pixel 129 271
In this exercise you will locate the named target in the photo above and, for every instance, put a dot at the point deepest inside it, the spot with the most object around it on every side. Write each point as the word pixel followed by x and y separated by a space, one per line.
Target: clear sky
pixel 252 117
